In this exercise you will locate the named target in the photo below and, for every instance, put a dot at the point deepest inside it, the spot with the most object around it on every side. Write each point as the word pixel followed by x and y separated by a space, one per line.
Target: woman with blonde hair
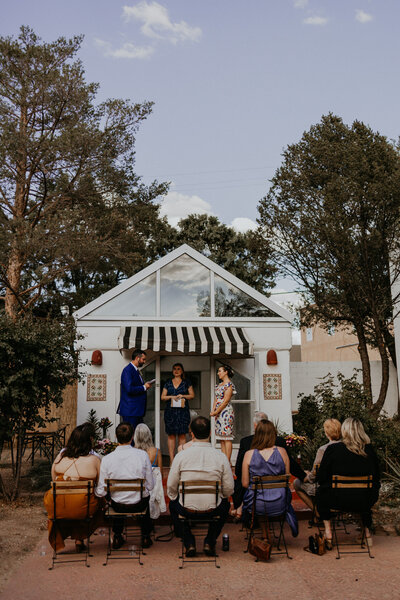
pixel 144 441
pixel 307 488
pixel 353 456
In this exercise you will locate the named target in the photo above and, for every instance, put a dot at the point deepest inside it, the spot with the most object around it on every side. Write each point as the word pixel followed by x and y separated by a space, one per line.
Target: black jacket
pixel 245 445
pixel 338 460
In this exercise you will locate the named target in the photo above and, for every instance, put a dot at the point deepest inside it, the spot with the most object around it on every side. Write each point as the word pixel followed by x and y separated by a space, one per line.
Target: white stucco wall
pixel 305 376
pixel 264 335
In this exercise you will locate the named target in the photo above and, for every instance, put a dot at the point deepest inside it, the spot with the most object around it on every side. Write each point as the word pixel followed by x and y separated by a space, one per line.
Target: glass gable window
pixel 185 289
pixel 137 301
pixel 232 302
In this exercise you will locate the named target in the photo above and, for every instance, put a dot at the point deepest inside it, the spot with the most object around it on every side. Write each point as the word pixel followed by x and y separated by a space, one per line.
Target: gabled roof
pixel 165 260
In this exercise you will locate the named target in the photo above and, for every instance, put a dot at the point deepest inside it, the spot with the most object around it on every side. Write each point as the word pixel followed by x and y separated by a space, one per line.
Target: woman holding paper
pixel 176 393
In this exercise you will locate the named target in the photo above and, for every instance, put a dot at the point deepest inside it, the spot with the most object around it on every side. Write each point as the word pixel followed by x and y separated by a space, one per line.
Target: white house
pixel 186 308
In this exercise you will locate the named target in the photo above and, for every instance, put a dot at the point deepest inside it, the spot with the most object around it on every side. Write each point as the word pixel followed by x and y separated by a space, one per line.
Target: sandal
pixel 328 543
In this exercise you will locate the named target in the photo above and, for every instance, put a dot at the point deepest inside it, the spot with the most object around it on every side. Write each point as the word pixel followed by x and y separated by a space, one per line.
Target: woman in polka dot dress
pixel 223 410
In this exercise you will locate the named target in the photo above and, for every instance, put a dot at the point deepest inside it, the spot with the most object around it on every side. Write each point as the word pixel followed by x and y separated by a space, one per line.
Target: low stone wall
pixel 386 519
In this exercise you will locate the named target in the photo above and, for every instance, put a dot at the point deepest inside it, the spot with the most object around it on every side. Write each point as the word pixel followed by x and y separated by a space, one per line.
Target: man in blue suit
pixel 132 404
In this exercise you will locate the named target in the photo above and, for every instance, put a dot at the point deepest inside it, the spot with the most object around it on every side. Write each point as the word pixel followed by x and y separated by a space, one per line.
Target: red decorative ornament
pixel 272 358
pixel 97 358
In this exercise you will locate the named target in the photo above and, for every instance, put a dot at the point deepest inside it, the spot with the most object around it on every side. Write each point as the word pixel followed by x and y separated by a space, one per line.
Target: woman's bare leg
pixel 328 530
pixel 306 498
pixel 181 439
pixel 226 448
pixel 171 447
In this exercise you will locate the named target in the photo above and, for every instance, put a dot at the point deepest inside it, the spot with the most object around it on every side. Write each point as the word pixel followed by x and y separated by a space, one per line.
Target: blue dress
pixel 273 502
pixel 177 419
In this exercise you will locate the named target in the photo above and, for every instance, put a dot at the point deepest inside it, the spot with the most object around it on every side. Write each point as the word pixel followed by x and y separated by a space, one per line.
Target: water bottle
pixel 225 542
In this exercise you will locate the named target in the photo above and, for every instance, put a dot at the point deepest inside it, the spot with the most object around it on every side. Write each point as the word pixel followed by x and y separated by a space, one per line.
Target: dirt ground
pixel 22 524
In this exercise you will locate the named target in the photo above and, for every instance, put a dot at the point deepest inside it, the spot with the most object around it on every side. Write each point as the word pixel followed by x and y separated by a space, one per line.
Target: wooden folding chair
pixel 66 488
pixel 198 486
pixel 125 485
pixel 269 482
pixel 342 482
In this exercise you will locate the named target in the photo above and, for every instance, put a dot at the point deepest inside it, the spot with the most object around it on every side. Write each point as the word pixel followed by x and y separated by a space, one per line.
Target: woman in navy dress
pixel 265 458
pixel 178 389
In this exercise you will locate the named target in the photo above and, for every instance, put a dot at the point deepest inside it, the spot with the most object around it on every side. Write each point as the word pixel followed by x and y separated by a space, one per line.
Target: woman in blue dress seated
pixel 265 458
pixel 177 391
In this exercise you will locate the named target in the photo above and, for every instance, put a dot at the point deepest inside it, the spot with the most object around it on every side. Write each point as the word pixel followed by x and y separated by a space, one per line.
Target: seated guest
pixel 127 462
pixel 200 462
pixel 307 488
pixel 74 463
pixel 266 458
pixel 352 456
pixel 144 441
pixel 245 445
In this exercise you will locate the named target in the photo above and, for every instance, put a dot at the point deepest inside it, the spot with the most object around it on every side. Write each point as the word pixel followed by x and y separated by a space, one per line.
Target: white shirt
pixel 125 463
pixel 200 461
pixel 140 375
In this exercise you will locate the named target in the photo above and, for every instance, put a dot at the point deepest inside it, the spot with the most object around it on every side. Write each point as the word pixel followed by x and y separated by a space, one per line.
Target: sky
pixel 233 83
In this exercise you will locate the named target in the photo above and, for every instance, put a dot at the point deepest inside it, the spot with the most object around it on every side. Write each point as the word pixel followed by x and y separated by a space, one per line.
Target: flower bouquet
pixel 295 442
pixel 105 446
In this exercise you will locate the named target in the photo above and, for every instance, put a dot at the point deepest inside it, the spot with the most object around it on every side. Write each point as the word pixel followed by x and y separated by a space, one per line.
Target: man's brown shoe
pixel 209 550
pixel 191 551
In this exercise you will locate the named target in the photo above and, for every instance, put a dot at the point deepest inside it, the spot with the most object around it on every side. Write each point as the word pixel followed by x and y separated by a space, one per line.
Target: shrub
pixel 340 401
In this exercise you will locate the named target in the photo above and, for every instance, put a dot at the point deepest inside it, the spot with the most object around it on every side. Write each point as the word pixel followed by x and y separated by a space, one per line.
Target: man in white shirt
pixel 200 461
pixel 127 462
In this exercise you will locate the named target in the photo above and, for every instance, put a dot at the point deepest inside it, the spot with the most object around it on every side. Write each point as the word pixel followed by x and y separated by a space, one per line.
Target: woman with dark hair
pixel 177 392
pixel 75 463
pixel 353 456
pixel 265 458
pixel 223 410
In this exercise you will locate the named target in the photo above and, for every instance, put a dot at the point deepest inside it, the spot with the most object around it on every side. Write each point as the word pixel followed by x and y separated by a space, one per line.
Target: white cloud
pixel 362 16
pixel 127 50
pixel 300 3
pixel 243 224
pixel 315 21
pixel 178 206
pixel 157 24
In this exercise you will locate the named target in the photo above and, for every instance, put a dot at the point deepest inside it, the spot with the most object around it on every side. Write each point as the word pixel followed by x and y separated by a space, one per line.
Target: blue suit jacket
pixel 133 396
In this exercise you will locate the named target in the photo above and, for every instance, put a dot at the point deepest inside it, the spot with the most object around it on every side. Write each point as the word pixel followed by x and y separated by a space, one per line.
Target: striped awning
pixel 199 340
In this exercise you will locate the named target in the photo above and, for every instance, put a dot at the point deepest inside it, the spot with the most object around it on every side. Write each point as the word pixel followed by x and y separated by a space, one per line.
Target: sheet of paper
pixel 176 403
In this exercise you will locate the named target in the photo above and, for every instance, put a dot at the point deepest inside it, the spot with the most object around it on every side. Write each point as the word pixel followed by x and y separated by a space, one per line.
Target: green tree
pixel 228 248
pixel 39 360
pixel 331 217
pixel 66 171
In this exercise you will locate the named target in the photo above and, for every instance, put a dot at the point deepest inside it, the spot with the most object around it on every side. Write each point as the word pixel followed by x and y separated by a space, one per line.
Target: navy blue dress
pixel 177 419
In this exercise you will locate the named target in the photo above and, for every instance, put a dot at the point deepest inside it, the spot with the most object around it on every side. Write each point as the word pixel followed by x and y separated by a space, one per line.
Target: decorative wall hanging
pixel 272 385
pixel 96 388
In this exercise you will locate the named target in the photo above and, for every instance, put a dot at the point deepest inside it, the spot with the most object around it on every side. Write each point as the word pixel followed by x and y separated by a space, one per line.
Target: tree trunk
pixel 15 262
pixel 378 405
pixel 12 304
pixel 366 367
pixel 390 344
pixel 18 463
